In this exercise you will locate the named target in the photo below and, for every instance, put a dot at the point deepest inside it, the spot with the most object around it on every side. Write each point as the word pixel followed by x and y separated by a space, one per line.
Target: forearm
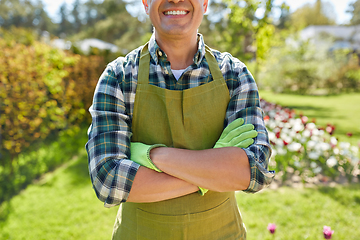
pixel 152 186
pixel 220 169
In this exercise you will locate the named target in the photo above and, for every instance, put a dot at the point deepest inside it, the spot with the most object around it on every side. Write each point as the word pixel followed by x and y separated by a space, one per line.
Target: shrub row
pixel 43 91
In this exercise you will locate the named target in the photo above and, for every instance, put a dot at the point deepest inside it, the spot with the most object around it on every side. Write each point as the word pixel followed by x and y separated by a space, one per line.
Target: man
pixel 157 142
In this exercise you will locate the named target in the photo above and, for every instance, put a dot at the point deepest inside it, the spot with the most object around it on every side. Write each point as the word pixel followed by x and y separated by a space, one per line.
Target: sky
pixel 340 7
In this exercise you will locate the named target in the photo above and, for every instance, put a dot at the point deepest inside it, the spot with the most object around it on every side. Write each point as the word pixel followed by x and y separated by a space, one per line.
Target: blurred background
pixel 304 56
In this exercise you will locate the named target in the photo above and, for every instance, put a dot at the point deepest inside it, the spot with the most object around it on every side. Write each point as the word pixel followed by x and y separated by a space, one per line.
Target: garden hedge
pixel 43 91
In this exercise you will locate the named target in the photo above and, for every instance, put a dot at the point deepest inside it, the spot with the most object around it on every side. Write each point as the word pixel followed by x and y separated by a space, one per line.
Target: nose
pixel 175 1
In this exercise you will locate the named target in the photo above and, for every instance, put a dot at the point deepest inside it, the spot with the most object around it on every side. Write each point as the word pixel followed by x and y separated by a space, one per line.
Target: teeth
pixel 175 13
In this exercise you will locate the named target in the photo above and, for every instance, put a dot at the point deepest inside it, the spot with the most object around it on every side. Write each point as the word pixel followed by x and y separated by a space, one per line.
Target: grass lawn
pixel 302 213
pixel 62 205
pixel 343 111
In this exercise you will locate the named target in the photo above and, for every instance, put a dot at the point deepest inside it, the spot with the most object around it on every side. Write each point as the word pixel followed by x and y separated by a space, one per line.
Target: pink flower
pixel 327 232
pixel 330 129
pixel 304 119
pixel 271 227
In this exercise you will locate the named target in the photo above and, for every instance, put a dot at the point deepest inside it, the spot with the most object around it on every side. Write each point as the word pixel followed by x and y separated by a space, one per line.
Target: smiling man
pixel 177 129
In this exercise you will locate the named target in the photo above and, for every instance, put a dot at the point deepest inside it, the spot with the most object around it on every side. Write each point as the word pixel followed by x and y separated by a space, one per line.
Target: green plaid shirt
pixel 111 170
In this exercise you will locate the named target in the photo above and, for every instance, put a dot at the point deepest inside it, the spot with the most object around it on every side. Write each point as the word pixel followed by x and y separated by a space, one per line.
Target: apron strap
pixel 213 65
pixel 144 65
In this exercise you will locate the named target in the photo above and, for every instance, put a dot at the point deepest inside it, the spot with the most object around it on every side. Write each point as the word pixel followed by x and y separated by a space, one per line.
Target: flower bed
pixel 301 147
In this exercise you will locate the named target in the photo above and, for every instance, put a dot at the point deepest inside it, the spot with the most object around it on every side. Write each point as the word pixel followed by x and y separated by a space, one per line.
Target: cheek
pixel 153 12
pixel 152 16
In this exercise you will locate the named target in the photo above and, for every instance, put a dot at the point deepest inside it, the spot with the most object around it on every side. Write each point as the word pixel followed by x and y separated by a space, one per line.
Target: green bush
pixel 33 96
pixel 44 92
pixel 347 78
pixel 304 68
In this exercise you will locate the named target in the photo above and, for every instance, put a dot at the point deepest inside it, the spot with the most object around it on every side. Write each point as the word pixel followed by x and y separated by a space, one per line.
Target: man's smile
pixel 175 13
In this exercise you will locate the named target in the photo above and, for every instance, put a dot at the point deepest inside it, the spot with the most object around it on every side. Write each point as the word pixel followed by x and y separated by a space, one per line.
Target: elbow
pixel 232 188
pixel 243 182
pixel 260 177
pixel 110 182
pixel 254 189
pixel 259 180
pixel 99 188
pixel 107 198
pixel 251 189
pixel 106 194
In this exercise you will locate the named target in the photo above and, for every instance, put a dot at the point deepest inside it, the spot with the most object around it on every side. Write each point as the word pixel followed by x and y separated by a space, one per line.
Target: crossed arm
pixel 184 170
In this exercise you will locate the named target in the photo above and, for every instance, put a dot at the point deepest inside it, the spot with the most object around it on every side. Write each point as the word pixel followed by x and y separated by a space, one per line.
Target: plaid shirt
pixel 111 171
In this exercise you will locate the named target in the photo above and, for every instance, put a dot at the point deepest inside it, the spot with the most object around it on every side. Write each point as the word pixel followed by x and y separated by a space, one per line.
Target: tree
pixel 116 25
pixel 42 21
pixel 25 14
pixel 285 16
pixel 317 14
pixel 75 13
pixel 354 9
pixel 64 25
pixel 240 30
pixel 94 12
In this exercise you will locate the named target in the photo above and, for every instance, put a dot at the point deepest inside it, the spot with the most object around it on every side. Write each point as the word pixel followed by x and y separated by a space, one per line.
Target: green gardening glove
pixel 140 153
pixel 202 191
pixel 237 135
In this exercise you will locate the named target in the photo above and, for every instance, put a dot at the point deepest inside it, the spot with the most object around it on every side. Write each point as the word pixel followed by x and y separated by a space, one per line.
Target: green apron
pixel 189 119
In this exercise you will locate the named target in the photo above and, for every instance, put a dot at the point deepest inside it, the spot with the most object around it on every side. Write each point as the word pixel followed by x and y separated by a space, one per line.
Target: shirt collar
pixel 156 53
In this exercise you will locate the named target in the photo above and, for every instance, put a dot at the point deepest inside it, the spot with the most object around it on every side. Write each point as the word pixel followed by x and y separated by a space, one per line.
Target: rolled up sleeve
pixel 245 103
pixel 260 176
pixel 111 171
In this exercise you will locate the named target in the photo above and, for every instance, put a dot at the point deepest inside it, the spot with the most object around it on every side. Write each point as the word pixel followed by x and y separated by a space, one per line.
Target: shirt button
pixel 160 53
pixel 166 71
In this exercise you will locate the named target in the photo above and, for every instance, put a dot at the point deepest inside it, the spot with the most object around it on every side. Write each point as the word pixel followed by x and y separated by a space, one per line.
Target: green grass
pixel 62 205
pixel 302 213
pixel 343 111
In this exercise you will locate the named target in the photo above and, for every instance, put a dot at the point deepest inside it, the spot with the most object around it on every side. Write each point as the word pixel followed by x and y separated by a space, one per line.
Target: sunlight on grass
pixel 302 213
pixel 341 110
pixel 62 205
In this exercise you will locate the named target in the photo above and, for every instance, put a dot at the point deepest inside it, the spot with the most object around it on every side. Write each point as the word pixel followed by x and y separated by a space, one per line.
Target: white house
pixel 85 45
pixel 343 36
pixel 61 44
